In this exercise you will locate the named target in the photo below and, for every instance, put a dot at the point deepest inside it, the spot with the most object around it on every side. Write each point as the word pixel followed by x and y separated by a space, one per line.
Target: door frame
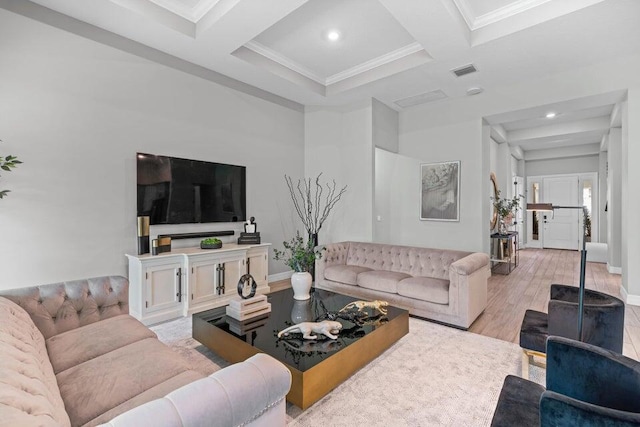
pixel 595 230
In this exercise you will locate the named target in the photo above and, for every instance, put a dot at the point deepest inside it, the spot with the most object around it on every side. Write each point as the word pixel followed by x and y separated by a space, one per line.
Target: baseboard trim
pixel 614 270
pixel 280 276
pixel 629 299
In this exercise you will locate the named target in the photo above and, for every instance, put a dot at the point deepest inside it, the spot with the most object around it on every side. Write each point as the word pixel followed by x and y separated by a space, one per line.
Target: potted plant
pixel 211 243
pixel 7 164
pixel 506 209
pixel 301 258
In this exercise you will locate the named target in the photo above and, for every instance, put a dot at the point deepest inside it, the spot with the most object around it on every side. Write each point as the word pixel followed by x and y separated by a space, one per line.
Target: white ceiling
pixel 391 49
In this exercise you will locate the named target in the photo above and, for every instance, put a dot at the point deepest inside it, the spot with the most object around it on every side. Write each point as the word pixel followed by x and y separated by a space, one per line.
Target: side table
pixel 504 252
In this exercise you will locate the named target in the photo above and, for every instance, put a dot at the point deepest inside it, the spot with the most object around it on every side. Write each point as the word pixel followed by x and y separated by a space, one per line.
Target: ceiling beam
pixel 566 128
pixel 562 152
pixel 435 24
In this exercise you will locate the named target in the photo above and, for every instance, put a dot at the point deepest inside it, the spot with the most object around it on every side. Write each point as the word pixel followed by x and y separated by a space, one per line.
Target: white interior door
pixel 561 226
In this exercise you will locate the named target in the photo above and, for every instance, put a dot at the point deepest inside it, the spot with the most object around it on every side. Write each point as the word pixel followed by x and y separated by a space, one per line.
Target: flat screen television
pixel 179 191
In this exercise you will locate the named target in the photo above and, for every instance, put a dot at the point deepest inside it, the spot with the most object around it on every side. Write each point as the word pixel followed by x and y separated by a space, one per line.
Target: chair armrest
pixel 558 410
pixel 593 375
pixel 470 264
pixel 333 254
pixel 236 395
pixel 60 307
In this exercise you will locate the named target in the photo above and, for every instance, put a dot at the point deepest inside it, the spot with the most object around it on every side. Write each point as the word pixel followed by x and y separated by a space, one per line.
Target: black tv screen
pixel 179 191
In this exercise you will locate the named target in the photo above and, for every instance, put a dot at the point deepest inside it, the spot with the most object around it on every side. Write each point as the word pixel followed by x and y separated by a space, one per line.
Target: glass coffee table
pixel 317 366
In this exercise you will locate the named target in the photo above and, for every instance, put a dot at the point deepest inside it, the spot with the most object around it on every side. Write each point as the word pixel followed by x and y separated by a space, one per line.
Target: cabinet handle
pixel 222 271
pixel 219 286
pixel 179 294
pixel 248 265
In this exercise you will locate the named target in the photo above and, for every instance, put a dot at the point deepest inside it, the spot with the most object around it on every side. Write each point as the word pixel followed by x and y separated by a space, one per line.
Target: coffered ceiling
pixel 401 52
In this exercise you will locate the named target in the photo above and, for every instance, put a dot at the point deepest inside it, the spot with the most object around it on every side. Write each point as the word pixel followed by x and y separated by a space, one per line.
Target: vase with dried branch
pixel 313 202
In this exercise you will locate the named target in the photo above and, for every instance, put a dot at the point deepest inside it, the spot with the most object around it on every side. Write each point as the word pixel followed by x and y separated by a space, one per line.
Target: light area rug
pixel 434 376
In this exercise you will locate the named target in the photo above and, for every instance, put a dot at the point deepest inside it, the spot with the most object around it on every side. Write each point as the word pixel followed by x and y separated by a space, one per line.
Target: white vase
pixel 301 284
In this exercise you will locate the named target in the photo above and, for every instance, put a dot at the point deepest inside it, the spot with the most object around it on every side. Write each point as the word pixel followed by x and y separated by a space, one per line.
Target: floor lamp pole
pixel 583 265
pixel 583 269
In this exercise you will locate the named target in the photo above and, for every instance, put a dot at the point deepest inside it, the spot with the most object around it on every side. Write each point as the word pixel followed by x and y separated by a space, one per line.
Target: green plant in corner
pixel 298 255
pixel 6 164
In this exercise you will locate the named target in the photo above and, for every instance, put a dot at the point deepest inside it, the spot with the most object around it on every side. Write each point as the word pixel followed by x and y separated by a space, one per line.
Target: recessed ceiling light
pixel 551 115
pixel 333 35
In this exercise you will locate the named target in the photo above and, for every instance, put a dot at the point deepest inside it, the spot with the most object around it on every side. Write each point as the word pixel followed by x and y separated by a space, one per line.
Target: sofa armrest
pixel 60 307
pixel 251 392
pixel 470 264
pixel 333 254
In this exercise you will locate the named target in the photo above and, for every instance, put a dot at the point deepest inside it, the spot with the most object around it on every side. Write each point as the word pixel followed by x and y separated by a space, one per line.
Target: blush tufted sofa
pixel 70 355
pixel 443 285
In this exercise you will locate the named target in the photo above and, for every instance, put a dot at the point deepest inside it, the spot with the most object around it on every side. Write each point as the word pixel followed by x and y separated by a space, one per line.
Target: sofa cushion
pixel 347 274
pixel 79 345
pixel 425 289
pixel 104 382
pixel 155 392
pixel 380 280
pixel 29 394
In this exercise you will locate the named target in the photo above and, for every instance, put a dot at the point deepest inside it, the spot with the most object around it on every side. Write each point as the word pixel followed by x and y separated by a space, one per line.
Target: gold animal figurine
pixel 361 305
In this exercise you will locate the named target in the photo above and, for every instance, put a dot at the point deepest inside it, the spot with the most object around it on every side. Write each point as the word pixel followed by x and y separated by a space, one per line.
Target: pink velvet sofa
pixel 70 355
pixel 443 285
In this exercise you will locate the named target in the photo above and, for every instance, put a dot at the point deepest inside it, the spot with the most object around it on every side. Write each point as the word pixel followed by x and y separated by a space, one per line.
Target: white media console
pixel 189 280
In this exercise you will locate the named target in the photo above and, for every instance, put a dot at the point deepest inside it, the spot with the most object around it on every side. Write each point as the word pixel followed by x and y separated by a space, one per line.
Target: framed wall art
pixel 440 191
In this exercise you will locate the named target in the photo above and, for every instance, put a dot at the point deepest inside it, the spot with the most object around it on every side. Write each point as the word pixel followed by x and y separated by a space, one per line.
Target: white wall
pixel 76 112
pixel 563 166
pixel 602 196
pixel 614 214
pixel 385 126
pixel 385 129
pixel 386 173
pixel 619 74
pixel 463 142
pixel 338 143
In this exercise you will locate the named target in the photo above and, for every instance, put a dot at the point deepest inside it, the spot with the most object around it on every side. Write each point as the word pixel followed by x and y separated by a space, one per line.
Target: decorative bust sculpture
pixel 251 226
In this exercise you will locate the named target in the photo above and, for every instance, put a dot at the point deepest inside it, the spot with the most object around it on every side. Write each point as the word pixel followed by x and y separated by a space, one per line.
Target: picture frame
pixel 440 191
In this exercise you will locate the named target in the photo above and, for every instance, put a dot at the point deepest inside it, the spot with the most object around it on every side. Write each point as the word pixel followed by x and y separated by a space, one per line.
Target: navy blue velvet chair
pixel 603 322
pixel 586 386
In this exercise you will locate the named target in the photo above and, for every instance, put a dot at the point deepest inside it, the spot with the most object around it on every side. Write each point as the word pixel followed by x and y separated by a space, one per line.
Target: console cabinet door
pixel 232 271
pixel 163 286
pixel 258 265
pixel 204 280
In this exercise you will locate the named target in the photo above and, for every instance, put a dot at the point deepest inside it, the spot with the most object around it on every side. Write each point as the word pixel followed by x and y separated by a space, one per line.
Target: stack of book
pixel 249 238
pixel 243 309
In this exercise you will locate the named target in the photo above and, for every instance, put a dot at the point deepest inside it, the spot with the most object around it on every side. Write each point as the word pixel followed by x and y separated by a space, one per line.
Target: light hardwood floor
pixel 527 287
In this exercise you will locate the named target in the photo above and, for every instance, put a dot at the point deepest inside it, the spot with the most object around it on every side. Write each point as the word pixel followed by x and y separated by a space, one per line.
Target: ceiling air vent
pixel 464 70
pixel 423 98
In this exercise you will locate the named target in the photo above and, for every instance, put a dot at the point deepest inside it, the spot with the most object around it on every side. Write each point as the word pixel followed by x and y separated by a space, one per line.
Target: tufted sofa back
pixel 60 307
pixel 423 262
